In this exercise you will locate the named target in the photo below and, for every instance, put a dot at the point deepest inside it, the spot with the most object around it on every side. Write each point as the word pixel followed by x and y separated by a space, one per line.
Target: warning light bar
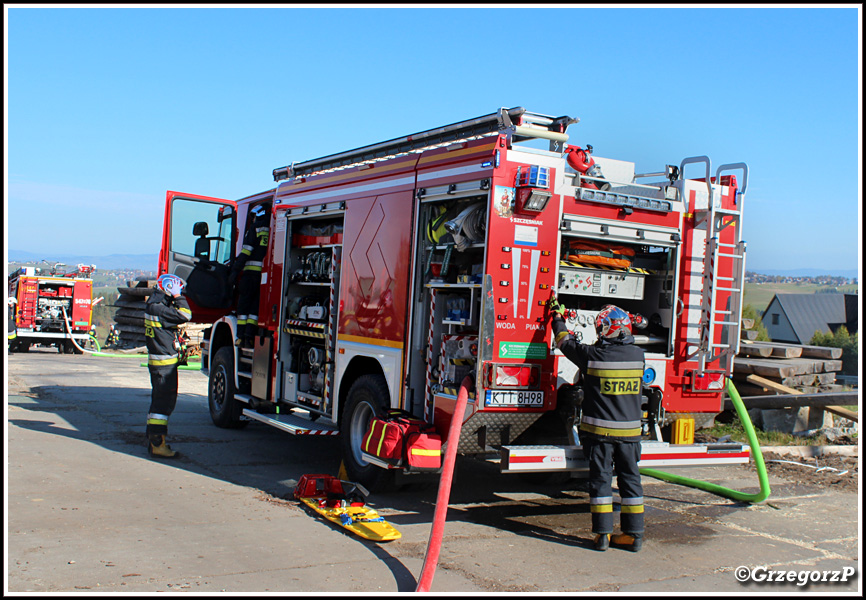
pixel 602 197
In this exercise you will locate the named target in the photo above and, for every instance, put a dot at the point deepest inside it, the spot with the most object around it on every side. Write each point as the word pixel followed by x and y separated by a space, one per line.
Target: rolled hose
pixel 431 558
pixel 743 415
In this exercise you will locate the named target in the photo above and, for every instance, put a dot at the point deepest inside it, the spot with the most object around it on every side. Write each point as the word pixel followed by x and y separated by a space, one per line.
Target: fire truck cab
pixel 396 269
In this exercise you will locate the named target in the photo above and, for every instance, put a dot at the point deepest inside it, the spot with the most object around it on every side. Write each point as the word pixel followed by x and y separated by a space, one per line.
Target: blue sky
pixel 107 108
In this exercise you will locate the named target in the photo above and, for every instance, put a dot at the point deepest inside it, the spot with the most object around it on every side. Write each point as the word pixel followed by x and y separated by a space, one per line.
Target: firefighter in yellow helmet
pixel 166 308
pixel 610 422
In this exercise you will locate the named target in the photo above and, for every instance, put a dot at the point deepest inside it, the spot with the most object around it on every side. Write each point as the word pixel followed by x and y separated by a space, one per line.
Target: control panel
pixel 581 323
pixel 608 284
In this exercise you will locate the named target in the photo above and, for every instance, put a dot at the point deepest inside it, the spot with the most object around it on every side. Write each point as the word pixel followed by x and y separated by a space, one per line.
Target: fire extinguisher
pixel 582 162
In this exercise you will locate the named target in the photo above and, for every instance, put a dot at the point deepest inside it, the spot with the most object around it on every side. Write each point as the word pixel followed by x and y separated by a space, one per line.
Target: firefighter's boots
pixel 602 541
pixel 629 542
pixel 158 448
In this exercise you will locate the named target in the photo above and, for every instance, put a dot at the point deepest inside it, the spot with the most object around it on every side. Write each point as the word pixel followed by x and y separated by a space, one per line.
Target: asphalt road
pixel 88 511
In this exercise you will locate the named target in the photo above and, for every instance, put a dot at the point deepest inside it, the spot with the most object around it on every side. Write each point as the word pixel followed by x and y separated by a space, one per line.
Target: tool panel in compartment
pixel 452 254
pixel 310 297
pixel 641 284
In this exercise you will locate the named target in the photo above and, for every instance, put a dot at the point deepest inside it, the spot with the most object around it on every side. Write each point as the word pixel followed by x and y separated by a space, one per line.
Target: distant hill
pixel 849 273
pixel 144 262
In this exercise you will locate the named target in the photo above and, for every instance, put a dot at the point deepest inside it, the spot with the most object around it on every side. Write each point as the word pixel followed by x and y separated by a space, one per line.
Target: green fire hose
pixel 743 415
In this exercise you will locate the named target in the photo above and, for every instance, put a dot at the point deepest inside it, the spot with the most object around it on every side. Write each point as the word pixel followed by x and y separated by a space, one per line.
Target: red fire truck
pixel 52 308
pixel 396 269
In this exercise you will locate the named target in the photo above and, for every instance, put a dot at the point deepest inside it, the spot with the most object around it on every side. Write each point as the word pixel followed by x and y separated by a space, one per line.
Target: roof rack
pixel 518 124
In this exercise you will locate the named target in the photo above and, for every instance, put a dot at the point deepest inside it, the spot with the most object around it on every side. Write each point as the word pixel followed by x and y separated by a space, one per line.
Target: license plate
pixel 513 398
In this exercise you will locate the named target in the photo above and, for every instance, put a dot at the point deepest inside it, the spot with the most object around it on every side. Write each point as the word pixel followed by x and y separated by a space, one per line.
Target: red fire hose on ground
pixel 431 558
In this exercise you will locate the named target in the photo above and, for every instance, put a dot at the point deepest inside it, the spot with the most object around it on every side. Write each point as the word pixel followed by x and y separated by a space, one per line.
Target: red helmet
pixel 612 323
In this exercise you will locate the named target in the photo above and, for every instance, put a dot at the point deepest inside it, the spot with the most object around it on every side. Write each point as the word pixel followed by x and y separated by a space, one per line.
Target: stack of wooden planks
pixel 130 318
pixel 806 369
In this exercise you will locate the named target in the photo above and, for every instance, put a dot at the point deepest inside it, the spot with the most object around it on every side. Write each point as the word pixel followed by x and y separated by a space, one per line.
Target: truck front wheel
pixel 225 410
pixel 366 398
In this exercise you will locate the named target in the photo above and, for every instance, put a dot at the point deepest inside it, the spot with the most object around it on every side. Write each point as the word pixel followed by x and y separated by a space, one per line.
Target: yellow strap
pixel 423 452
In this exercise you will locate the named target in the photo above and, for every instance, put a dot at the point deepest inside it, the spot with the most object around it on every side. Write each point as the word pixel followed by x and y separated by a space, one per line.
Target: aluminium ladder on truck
pixel 717 322
pixel 532 125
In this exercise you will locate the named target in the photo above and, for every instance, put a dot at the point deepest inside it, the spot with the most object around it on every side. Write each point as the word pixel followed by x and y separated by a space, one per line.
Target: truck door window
pixel 185 214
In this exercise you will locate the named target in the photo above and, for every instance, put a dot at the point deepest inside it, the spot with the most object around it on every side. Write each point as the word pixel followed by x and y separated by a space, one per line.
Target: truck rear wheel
pixel 366 398
pixel 225 410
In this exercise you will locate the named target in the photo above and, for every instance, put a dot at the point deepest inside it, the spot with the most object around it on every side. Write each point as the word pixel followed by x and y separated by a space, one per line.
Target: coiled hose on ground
pixel 743 415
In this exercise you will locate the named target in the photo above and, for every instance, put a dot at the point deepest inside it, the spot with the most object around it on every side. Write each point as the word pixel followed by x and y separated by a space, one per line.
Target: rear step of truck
pixel 294 424
pixel 520 459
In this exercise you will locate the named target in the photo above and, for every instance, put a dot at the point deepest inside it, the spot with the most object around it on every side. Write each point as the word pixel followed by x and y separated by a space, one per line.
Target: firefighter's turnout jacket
pixel 162 315
pixel 249 261
pixel 612 373
pixel 610 425
pixel 255 245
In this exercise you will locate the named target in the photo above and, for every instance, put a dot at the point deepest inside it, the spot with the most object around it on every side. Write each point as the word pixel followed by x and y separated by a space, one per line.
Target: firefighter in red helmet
pixel 610 423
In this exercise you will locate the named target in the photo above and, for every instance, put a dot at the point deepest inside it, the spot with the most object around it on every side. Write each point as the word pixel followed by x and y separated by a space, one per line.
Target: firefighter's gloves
pixel 555 307
pixel 171 285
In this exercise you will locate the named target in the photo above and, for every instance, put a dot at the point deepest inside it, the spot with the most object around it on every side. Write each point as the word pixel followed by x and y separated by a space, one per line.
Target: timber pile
pixel 761 367
pixel 130 312
pixel 130 318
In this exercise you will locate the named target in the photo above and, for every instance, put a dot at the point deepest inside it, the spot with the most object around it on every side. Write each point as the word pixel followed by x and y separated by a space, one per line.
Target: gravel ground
pixel 830 470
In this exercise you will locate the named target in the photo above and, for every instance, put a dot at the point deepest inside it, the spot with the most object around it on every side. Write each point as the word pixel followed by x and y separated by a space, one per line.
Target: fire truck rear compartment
pixel 645 288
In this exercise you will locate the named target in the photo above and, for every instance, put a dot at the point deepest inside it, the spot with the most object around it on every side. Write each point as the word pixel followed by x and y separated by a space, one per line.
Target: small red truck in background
pixel 52 309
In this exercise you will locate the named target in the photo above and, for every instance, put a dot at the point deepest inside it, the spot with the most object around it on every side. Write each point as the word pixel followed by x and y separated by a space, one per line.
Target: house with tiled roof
pixel 795 318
